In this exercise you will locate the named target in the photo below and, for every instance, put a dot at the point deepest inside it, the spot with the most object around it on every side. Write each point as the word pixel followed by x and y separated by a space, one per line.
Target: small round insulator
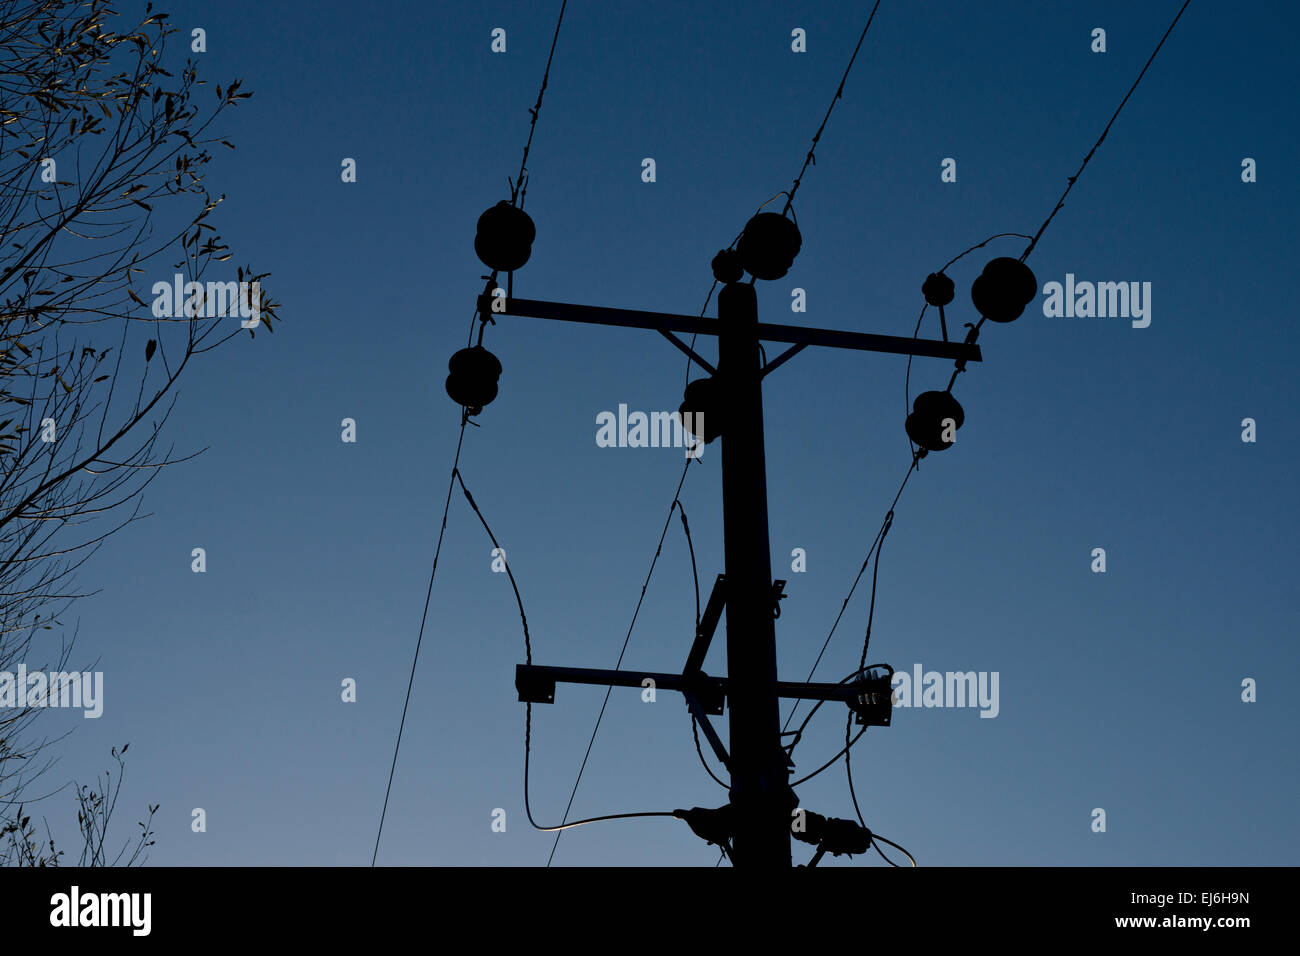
pixel 473 379
pixel 1003 289
pixel 504 240
pixel 934 414
pixel 938 289
pixel 701 409
pixel 768 245
pixel 727 266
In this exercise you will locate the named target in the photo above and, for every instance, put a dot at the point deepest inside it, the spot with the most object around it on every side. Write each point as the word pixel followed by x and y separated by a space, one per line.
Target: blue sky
pixel 1119 690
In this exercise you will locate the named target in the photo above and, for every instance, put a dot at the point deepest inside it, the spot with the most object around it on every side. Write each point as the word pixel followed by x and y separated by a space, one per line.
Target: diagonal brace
pixel 708 624
pixel 689 351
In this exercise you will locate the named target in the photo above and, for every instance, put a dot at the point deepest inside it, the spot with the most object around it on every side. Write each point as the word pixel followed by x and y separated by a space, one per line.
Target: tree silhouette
pixel 103 153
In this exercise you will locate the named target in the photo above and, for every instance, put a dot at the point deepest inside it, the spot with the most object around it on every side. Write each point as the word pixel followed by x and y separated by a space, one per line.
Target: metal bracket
pixel 535 686
pixel 778 595
pixel 874 701
pixel 701 716
pixel 708 624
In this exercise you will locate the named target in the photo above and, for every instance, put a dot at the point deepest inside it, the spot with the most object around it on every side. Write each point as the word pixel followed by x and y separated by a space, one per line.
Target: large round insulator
pixel 701 409
pixel 727 266
pixel 1003 289
pixel 505 237
pixel 768 245
pixel 473 379
pixel 931 414
pixel 938 289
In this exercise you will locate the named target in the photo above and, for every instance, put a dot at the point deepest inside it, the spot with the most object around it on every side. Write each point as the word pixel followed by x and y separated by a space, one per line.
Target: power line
pixel 520 180
pixel 875 571
pixel 862 664
pixel 884 527
pixel 519 185
pixel 789 196
pixel 695 578
pixel 810 159
pixel 876 547
pixel 528 651
pixel 1060 203
pixel 789 202
pixel 830 763
pixel 1075 178
pixel 423 617
pixel 464 420
pixel 528 643
pixel 838 93
pixel 848 766
pixel 877 836
pixel 676 503
pixel 806 720
pixel 708 298
pixel 608 690
pixel 695 732
pixel 690 547
pixel 907 378
pixel 907 393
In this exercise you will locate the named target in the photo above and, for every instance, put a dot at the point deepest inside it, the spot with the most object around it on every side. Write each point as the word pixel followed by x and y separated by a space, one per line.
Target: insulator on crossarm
pixel 504 240
pixel 768 245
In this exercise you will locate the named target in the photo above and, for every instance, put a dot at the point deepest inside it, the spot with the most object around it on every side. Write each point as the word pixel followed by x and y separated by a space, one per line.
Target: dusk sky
pixel 1120 691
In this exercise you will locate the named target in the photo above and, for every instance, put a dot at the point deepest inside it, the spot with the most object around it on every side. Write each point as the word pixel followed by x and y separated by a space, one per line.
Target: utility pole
pixel 756 824
pixel 755 827
pixel 761 798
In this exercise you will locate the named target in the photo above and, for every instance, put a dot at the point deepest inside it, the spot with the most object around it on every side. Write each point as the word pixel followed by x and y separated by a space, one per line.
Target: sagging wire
pixel 676 503
pixel 884 529
pixel 907 378
pixel 528 718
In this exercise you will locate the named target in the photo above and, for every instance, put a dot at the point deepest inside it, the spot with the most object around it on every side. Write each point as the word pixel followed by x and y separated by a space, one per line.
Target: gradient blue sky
pixel 1118 690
